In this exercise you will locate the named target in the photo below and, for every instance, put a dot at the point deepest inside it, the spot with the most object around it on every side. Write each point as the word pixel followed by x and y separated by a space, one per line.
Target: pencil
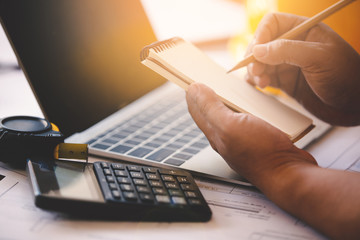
pixel 304 26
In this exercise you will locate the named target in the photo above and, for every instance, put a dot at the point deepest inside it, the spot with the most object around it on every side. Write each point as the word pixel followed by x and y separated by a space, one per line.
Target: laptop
pixel 81 58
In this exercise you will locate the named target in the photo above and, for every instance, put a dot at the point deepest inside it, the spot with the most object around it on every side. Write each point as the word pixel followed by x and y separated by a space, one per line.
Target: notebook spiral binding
pixel 160 46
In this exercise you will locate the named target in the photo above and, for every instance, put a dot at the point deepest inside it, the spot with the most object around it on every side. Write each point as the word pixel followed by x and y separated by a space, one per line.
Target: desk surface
pixel 238 212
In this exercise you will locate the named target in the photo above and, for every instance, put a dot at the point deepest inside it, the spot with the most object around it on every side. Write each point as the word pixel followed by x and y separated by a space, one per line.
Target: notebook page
pixel 188 62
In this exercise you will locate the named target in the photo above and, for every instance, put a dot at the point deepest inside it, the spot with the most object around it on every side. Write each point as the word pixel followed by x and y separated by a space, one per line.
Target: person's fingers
pixel 256 75
pixel 270 27
pixel 297 53
pixel 274 25
pixel 206 109
pixel 256 68
pixel 249 48
pixel 262 81
pixel 192 98
pixel 206 104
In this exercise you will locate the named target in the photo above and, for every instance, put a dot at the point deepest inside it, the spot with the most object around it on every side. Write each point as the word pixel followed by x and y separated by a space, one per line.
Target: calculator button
pixel 143 189
pixel 154 183
pixel 179 200
pixel 171 185
pixel 182 180
pixel 107 172
pixel 126 187
pixel 136 175
pixel 104 165
pixel 174 192
pixel 118 166
pixel 120 173
pixel 168 178
pixel 146 197
pixel 130 196
pixel 171 172
pixel 162 198
pixel 116 194
pixel 190 194
pixel 149 169
pixel 110 179
pixel 152 176
pixel 134 168
pixel 123 180
pixel 160 191
pixel 139 182
pixel 151 188
pixel 186 187
pixel 194 201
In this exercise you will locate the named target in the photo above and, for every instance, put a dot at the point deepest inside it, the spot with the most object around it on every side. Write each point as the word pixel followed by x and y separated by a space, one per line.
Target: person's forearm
pixel 328 200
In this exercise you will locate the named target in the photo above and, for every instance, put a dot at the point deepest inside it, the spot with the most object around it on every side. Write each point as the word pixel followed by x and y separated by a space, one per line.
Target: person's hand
pixel 250 146
pixel 287 175
pixel 319 69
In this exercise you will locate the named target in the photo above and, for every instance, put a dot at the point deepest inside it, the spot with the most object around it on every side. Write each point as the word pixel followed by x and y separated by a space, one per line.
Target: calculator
pixel 113 190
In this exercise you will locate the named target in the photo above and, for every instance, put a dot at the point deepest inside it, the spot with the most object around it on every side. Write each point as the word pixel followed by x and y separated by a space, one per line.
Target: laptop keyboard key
pixel 182 140
pixel 160 155
pixel 175 162
pixel 120 149
pixel 129 130
pixel 182 156
pixel 91 141
pixel 119 136
pixel 110 141
pixel 179 143
pixel 175 146
pixel 161 140
pixel 142 136
pixel 199 145
pixel 101 146
pixel 191 150
pixel 140 152
pixel 153 145
pixel 133 142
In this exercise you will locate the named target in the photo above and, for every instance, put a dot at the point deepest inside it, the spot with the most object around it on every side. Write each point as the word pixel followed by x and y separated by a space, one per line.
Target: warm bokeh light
pixel 345 22
pixel 255 11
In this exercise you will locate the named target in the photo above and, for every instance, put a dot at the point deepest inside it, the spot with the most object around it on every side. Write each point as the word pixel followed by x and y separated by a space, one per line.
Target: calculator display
pixel 71 180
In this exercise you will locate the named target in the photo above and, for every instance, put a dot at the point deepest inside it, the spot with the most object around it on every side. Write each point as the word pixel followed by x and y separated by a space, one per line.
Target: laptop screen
pixel 81 57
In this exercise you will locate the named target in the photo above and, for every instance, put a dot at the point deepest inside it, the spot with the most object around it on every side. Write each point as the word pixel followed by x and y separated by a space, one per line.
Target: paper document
pixel 238 213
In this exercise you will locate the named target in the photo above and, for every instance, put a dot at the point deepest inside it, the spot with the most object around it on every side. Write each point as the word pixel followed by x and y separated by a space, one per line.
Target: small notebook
pixel 181 62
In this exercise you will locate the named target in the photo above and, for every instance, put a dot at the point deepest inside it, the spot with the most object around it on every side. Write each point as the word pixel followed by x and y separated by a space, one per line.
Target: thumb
pixel 204 104
pixel 298 53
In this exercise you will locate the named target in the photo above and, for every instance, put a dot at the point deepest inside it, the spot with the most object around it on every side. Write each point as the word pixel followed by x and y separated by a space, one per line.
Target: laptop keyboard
pixel 163 133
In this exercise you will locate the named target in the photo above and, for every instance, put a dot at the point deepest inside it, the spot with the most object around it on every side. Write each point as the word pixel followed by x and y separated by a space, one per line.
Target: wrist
pixel 283 172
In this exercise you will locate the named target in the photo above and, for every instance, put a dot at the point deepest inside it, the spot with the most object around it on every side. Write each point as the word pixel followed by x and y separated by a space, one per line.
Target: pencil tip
pixel 230 71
